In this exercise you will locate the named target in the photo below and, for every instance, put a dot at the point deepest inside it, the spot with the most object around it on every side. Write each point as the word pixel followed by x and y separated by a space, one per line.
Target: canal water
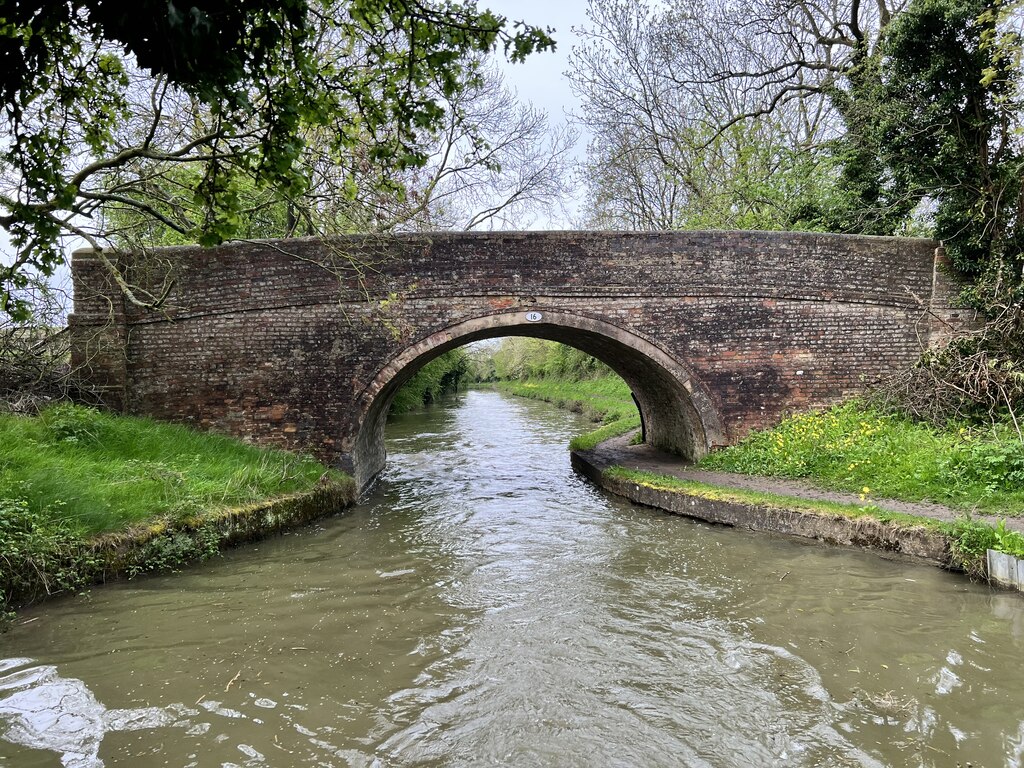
pixel 487 607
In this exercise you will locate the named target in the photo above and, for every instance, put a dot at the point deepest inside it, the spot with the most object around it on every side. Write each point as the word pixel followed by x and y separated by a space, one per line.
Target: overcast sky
pixel 541 78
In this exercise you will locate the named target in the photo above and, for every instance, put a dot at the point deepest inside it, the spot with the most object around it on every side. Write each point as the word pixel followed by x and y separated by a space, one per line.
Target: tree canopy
pixel 102 99
pixel 892 117
pixel 207 45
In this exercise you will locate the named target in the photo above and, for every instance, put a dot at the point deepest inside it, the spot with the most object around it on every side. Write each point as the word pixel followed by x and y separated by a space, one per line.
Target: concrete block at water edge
pixel 1004 570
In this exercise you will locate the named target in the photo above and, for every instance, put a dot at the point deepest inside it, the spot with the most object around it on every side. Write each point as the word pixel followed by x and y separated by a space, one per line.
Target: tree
pixel 522 357
pixel 235 91
pixel 440 377
pixel 685 131
pixel 775 102
pixel 495 162
pixel 879 117
pixel 952 128
pixel 208 46
pixel 492 161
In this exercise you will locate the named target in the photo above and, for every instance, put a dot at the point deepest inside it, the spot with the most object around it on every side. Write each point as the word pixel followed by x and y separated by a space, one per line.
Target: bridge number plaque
pixel 534 317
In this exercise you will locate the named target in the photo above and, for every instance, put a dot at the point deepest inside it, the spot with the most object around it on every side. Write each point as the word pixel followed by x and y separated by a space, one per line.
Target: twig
pixel 231 682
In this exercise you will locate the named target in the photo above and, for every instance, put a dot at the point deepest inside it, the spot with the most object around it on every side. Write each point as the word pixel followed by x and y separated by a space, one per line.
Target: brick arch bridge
pixel 303 343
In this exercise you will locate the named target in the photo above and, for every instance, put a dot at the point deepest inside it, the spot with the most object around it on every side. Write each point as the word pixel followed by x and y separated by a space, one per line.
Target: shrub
pixel 40 555
pixel 995 463
pixel 68 423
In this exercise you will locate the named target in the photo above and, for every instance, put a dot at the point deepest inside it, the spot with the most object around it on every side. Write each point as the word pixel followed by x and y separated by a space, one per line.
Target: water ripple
pixel 487 607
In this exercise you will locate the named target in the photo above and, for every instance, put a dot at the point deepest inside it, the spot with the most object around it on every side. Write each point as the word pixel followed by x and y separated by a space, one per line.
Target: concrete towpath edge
pixel 919 543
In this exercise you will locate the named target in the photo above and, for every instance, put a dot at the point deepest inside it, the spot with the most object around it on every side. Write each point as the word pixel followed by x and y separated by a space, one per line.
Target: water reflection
pixel 41 710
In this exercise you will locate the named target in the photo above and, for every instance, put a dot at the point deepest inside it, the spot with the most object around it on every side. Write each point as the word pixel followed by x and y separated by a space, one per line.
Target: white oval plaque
pixel 534 317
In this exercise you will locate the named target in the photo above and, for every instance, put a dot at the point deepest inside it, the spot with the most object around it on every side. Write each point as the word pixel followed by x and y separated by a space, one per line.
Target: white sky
pixel 541 78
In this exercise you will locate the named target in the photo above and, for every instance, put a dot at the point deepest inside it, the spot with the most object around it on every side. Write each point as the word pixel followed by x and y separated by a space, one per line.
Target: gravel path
pixel 618 452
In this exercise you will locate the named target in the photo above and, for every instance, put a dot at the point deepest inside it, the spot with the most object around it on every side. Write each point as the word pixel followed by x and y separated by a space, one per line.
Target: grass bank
pixel 77 485
pixel 853 447
pixel 606 399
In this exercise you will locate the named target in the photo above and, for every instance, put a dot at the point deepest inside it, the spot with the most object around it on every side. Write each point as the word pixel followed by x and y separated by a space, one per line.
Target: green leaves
pixel 441 376
pixel 107 107
pixel 951 127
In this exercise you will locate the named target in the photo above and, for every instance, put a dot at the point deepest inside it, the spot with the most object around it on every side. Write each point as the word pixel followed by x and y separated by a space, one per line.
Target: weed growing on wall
pixel 173 550
pixel 970 539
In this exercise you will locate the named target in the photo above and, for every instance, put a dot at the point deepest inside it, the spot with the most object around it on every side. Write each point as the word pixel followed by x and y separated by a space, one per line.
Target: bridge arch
pixel 678 411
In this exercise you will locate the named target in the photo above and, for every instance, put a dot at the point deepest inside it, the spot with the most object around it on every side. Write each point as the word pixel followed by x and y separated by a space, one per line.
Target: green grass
pixel 591 440
pixel 91 472
pixel 604 398
pixel 852 447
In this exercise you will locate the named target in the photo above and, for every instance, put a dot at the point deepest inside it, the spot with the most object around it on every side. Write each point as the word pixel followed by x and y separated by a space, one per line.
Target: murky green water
pixel 487 607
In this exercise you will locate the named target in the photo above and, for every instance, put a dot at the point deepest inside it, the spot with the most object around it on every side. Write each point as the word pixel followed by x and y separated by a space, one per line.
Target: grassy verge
pixel 852 447
pixel 968 539
pixel 590 440
pixel 73 475
pixel 604 398
pixel 763 499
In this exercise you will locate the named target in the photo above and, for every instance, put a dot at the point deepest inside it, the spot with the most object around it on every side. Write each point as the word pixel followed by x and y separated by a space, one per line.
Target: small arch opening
pixel 677 412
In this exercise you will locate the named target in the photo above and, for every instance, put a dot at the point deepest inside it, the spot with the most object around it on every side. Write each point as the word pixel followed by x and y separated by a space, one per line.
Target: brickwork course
pixel 303 343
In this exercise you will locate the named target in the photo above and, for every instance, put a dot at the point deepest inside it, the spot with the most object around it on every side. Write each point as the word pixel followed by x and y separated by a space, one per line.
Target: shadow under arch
pixel 677 410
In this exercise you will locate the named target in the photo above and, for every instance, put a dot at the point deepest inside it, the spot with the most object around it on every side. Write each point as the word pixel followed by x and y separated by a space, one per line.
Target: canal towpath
pixel 645 458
